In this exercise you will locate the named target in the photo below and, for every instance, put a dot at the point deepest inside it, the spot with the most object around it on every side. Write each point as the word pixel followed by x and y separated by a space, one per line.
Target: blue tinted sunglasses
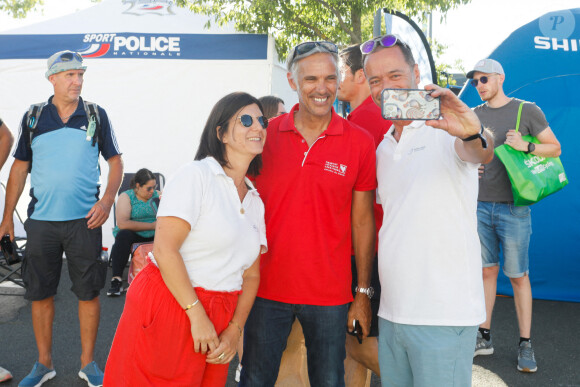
pixel 247 120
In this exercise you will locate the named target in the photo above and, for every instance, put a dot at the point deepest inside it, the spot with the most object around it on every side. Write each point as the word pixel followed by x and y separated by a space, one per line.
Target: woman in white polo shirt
pixel 184 313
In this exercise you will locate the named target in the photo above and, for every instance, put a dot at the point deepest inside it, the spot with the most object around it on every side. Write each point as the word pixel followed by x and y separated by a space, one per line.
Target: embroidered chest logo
pixel 338 169
pixel 415 150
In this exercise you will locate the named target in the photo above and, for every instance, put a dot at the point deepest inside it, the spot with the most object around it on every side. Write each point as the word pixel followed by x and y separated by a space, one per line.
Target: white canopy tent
pixel 154 68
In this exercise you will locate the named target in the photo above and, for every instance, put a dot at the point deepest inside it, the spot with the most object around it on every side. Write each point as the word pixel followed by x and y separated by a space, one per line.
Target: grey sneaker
pixel 483 346
pixel 526 358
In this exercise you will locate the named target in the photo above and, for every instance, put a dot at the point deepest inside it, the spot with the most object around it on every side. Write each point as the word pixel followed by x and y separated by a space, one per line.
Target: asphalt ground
pixel 554 336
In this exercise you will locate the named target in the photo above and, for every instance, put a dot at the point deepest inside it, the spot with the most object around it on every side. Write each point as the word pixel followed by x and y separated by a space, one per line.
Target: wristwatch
pixel 368 291
pixel 476 136
pixel 531 147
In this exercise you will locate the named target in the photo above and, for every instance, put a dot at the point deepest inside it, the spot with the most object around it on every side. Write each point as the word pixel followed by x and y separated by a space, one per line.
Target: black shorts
pixel 42 263
pixel 376 300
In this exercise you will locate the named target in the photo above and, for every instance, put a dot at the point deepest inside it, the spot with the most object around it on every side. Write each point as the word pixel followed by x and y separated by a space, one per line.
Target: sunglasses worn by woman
pixel 247 120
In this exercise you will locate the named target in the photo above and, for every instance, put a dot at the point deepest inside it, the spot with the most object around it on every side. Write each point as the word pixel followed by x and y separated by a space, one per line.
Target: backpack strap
pixel 92 111
pixel 32 118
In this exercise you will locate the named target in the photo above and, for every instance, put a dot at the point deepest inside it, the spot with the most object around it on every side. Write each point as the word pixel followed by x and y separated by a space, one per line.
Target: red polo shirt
pixel 368 116
pixel 307 194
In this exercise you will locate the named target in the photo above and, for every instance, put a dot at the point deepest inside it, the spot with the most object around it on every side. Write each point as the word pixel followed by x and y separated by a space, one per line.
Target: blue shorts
pixel 509 227
pixel 425 356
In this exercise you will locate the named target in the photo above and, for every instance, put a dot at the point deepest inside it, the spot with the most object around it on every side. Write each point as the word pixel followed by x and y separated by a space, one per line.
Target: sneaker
pixel 92 374
pixel 526 358
pixel 116 287
pixel 483 346
pixel 5 375
pixel 37 376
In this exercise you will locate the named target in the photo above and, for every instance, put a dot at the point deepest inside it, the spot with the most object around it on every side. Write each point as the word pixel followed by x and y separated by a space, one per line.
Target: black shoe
pixel 116 287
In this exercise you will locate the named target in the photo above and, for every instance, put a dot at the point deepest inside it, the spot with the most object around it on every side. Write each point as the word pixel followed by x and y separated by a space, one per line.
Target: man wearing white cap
pixel 500 223
pixel 59 143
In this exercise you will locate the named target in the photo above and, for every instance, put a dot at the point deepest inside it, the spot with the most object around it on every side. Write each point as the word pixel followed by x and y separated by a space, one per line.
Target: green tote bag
pixel 532 177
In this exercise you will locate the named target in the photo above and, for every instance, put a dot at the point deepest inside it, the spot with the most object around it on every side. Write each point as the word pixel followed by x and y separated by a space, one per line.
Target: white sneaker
pixel 5 375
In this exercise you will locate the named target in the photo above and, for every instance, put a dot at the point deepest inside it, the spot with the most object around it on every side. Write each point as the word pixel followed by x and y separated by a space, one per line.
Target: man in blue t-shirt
pixel 65 213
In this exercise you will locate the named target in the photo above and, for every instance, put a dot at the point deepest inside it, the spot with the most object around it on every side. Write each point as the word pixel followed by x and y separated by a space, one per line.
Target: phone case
pixel 409 104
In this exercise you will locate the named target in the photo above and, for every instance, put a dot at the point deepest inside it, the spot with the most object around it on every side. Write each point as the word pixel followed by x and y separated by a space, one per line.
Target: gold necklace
pixel 242 188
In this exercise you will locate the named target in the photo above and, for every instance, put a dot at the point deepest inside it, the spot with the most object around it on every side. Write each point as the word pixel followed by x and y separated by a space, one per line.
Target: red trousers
pixel 153 344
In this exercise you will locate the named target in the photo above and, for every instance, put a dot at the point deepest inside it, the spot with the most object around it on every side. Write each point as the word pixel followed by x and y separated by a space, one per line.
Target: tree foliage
pixel 18 8
pixel 293 21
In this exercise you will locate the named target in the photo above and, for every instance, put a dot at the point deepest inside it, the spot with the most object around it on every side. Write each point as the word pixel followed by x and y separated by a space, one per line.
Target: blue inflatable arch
pixel 542 64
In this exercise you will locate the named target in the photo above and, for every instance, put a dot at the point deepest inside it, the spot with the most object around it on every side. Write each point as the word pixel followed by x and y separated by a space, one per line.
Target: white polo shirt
pixel 429 251
pixel 226 235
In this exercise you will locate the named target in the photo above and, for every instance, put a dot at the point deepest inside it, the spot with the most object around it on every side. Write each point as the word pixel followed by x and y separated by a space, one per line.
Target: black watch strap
pixel 476 136
pixel 531 147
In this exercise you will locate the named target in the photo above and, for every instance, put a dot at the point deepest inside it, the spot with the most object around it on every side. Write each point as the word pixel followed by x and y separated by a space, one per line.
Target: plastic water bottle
pixel 105 255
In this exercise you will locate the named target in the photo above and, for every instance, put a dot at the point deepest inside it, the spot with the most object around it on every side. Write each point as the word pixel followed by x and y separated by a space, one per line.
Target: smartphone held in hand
pixel 409 104
pixel 356 332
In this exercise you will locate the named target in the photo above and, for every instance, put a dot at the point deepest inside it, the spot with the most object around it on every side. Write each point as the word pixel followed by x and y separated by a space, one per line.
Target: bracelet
pixel 479 135
pixel 236 324
pixel 475 136
pixel 188 307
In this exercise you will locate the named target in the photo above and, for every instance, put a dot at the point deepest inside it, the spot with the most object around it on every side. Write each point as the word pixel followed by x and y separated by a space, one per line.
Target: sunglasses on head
pixel 386 41
pixel 306 47
pixel 483 80
pixel 247 120
pixel 67 57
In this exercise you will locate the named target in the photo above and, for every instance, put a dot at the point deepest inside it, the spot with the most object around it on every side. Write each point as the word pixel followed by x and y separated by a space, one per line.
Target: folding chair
pixel 13 272
pixel 126 184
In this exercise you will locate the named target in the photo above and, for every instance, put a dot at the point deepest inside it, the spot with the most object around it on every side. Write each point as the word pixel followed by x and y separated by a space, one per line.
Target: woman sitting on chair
pixel 135 213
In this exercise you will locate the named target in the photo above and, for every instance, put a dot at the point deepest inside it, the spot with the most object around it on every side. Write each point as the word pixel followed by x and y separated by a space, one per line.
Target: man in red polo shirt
pixel 317 185
pixel 355 90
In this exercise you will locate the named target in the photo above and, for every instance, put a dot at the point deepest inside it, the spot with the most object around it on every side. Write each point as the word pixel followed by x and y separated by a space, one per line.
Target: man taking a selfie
pixel 429 257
